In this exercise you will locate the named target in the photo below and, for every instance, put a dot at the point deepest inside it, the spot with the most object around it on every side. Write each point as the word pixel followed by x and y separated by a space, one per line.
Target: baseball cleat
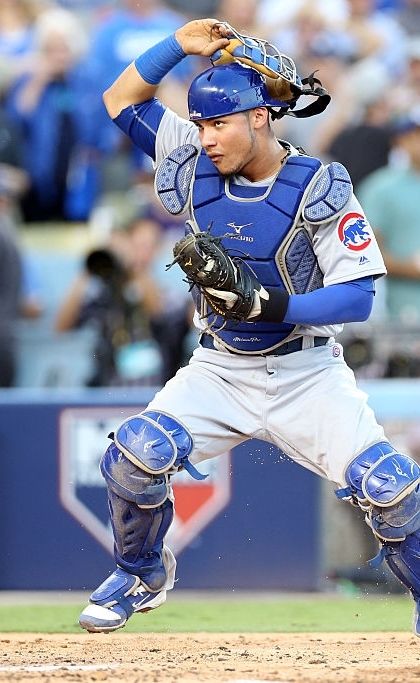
pixel 115 600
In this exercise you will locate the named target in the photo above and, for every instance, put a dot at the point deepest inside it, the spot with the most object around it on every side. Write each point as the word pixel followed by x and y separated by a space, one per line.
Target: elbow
pixel 364 307
pixel 108 100
pixel 112 103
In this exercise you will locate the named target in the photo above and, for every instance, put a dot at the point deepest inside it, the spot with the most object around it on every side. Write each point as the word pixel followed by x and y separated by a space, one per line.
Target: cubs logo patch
pixel 353 232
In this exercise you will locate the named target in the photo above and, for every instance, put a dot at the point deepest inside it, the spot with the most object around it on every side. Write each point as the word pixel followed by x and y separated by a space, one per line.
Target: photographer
pixel 120 302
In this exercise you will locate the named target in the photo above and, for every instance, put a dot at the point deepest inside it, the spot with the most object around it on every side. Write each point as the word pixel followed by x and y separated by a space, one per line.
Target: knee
pixel 132 484
pixel 157 443
pixel 386 484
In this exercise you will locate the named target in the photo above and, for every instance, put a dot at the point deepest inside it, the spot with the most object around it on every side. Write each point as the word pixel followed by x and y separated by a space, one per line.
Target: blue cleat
pixel 115 600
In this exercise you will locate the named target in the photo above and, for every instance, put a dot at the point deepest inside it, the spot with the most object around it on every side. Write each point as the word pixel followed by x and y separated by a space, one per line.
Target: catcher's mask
pixel 252 73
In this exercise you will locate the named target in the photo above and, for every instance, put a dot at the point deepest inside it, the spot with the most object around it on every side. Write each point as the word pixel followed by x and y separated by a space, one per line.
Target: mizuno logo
pixel 238 228
pixel 399 470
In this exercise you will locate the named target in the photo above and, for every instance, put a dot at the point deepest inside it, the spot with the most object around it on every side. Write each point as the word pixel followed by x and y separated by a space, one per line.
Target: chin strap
pixel 319 105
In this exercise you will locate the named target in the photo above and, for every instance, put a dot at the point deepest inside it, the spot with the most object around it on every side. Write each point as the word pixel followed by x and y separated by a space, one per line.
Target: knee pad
pixel 156 443
pixel 392 487
pixel 386 484
pixel 356 471
pixel 131 483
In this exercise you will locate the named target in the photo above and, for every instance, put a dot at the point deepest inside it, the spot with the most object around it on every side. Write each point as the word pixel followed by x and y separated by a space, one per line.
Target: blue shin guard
pixel 387 487
pixel 138 539
pixel 403 559
pixel 147 449
pixel 141 513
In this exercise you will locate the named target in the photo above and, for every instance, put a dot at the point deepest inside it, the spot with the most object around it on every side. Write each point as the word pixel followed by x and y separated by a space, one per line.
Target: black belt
pixel 206 340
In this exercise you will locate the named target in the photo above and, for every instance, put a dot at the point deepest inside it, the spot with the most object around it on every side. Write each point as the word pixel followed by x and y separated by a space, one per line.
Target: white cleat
pixel 116 599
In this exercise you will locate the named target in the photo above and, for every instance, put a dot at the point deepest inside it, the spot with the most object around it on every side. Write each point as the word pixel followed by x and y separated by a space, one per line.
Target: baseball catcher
pixel 278 255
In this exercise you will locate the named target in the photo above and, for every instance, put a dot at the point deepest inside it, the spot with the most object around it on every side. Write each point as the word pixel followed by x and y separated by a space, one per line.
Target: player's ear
pixel 260 115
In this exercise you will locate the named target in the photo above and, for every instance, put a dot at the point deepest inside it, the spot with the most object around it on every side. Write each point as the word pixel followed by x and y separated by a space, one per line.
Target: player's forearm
pixel 129 88
pixel 139 82
pixel 141 78
pixel 342 303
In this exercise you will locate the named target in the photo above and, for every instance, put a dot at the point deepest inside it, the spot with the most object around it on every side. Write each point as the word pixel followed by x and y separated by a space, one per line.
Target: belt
pixel 206 340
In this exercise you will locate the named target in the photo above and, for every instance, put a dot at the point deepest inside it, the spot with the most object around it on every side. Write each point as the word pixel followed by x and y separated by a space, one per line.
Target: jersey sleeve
pixel 156 129
pixel 173 132
pixel 346 247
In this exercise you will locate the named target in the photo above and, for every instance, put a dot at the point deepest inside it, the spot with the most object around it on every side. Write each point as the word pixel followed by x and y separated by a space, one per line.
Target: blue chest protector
pixel 266 232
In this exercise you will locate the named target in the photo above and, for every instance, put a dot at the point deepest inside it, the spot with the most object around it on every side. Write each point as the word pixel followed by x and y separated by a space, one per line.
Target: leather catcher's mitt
pixel 228 284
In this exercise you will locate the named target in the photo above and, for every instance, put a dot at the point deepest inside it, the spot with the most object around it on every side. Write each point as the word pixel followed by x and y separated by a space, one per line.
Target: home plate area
pixel 210 658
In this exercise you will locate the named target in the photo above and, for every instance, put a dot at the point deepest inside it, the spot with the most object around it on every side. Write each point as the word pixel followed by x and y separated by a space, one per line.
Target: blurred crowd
pixel 64 163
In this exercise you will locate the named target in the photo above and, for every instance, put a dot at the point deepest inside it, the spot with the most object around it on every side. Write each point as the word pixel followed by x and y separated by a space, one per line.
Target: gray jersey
pixel 344 253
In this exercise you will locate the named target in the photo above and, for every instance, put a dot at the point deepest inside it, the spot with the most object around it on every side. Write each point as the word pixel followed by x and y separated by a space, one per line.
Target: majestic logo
pixel 363 260
pixel 353 232
pixel 82 487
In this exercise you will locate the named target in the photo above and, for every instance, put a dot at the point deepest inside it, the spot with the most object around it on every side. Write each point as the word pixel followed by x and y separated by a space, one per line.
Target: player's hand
pixel 202 37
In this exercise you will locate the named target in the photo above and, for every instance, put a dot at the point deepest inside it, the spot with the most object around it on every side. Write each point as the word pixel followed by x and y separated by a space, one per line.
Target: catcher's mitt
pixel 227 283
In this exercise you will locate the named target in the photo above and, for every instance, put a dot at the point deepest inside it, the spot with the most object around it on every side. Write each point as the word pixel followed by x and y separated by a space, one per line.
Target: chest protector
pixel 267 232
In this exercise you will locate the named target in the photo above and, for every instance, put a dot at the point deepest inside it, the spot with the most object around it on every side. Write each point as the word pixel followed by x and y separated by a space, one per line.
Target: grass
pixel 358 614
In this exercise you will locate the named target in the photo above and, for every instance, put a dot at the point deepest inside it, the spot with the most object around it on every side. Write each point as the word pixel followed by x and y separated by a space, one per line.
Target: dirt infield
pixel 210 658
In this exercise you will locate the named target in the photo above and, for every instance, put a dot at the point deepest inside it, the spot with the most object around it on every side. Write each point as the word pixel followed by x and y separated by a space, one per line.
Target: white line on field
pixel 48 668
pixel 43 668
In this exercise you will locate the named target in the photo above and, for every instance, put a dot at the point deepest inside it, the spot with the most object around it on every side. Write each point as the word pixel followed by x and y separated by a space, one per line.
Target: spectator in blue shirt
pixel 54 106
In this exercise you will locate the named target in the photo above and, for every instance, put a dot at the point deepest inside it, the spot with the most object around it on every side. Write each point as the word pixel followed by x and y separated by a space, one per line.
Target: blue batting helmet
pixel 228 89
pixel 232 88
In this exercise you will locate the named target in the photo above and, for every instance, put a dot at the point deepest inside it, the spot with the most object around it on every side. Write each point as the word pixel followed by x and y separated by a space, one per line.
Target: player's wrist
pixel 156 62
pixel 275 307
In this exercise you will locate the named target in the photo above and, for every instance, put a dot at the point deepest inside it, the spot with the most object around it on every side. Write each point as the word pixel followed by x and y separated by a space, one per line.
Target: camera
pixel 103 264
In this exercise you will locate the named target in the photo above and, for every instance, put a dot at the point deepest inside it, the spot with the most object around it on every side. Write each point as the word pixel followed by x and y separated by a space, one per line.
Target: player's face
pixel 229 141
